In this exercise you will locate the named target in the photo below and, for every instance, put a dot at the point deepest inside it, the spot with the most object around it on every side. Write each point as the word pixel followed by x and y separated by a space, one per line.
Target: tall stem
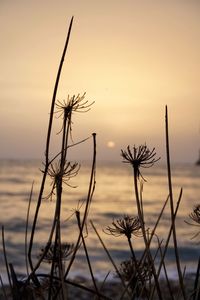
pixel 47 147
pixel 86 252
pixel 141 217
pixel 88 201
pixel 180 275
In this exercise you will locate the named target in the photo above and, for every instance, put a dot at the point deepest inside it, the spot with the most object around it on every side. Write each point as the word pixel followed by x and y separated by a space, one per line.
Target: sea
pixel 113 198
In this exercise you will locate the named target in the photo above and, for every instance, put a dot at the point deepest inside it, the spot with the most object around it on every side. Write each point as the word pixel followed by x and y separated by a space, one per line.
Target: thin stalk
pixel 26 229
pixel 5 258
pixel 140 209
pixel 110 258
pixel 86 252
pixel 137 269
pixel 69 146
pixel 154 230
pixel 31 275
pixel 141 199
pixel 167 278
pixel 88 202
pixel 56 220
pixel 56 242
pixel 48 145
pixel 103 283
pixel 55 91
pixel 179 290
pixel 66 136
pixel 58 199
pixel 132 251
pixel 172 208
pixel 196 285
pixel 168 239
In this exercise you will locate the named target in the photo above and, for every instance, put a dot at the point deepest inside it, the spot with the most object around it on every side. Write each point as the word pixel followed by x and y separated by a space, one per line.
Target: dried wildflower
pixel 59 174
pixel 62 252
pixel 127 226
pixel 135 274
pixel 195 215
pixel 74 103
pixel 139 157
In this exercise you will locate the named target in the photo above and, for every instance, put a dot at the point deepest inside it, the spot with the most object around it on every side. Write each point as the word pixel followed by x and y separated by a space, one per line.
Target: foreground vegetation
pixel 138 277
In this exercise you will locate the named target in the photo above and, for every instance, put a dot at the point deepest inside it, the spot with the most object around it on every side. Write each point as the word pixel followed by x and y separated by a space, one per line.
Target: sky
pixel 131 57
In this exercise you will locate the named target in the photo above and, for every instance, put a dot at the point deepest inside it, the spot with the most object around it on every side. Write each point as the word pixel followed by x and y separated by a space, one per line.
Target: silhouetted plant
pixel 63 252
pixel 140 275
pixel 127 226
pixel 135 276
pixel 195 215
pixel 139 157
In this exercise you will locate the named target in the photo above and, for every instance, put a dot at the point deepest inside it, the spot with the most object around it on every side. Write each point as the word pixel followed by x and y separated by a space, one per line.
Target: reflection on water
pixel 112 199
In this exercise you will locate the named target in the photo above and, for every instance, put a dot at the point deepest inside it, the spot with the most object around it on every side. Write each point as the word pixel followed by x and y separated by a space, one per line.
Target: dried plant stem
pixel 141 217
pixel 196 295
pixel 5 258
pixel 86 252
pixel 111 260
pixel 55 91
pixel 47 150
pixel 137 266
pixel 132 251
pixel 87 205
pixel 26 229
pixel 167 241
pixel 57 242
pixel 166 276
pixel 153 231
pixel 56 245
pixel 180 275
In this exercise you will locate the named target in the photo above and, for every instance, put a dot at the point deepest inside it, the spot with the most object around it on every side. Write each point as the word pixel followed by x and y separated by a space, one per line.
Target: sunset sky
pixel 131 57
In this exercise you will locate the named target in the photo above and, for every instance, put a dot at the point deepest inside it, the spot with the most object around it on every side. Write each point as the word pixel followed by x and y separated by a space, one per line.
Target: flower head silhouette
pixel 58 174
pixel 127 226
pixel 140 157
pixel 62 252
pixel 74 103
pixel 195 215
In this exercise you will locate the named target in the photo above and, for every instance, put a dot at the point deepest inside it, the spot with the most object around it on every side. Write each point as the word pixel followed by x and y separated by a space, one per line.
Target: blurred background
pixel 132 58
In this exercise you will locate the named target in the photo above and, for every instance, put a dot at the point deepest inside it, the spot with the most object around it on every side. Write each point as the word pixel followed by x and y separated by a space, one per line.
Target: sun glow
pixel 110 144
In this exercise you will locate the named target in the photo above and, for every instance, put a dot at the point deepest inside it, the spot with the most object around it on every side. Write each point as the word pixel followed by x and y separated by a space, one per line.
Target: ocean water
pixel 112 199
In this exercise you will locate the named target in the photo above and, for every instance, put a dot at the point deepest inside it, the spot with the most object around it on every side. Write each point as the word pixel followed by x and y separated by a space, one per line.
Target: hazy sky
pixel 131 57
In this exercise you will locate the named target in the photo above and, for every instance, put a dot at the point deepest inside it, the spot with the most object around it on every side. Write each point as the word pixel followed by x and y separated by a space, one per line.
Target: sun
pixel 110 144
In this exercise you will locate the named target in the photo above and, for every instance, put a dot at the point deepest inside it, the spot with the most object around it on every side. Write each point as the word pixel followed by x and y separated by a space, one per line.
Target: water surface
pixel 113 198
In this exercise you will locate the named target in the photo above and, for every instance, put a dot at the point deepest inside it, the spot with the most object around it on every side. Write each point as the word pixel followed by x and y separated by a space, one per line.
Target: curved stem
pixel 47 148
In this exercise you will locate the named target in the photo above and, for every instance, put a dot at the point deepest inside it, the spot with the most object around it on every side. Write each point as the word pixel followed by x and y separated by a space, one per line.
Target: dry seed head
pixel 127 226
pixel 139 157
pixel 195 215
pixel 73 104
pixel 62 252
